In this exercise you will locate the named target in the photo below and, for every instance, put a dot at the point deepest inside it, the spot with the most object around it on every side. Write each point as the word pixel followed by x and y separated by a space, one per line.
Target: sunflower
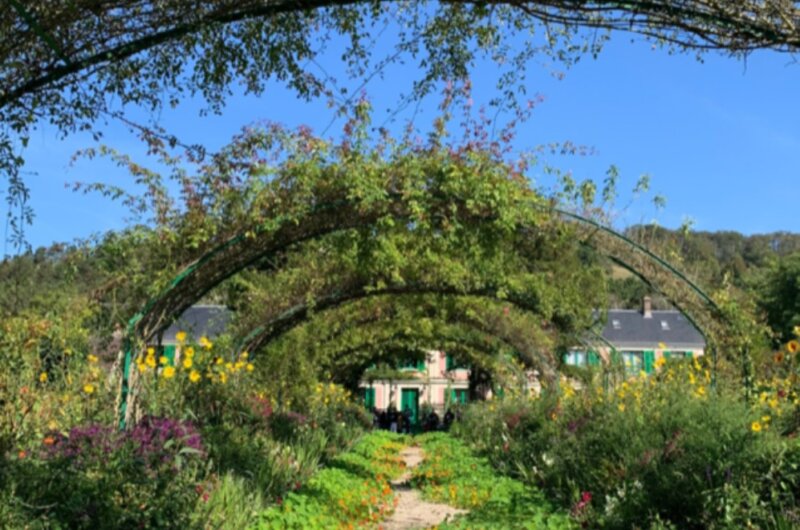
pixel 793 346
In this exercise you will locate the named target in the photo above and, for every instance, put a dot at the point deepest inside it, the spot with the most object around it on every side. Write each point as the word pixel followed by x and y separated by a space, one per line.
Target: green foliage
pixel 234 503
pixel 778 295
pixel 353 491
pixel 451 474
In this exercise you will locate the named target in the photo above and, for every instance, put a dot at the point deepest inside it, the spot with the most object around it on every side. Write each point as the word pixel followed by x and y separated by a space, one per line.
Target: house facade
pixel 640 337
pixel 435 381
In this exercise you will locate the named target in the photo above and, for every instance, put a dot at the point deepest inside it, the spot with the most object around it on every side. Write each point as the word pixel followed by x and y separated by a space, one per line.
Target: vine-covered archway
pixel 467 207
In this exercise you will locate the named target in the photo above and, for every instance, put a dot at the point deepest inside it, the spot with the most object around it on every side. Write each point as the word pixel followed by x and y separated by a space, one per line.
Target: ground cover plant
pixel 452 474
pixel 353 491
pixel 665 450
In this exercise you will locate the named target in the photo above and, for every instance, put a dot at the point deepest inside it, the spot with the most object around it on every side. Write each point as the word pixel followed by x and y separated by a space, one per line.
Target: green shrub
pixel 661 450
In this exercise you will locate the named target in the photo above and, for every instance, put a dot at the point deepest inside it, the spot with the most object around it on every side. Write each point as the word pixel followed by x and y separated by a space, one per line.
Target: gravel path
pixel 411 511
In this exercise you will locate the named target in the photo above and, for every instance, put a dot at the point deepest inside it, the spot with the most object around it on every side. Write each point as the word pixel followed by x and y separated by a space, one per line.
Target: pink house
pixel 436 381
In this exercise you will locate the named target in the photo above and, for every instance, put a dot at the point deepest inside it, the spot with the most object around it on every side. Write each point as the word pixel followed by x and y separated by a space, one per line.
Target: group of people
pixel 401 421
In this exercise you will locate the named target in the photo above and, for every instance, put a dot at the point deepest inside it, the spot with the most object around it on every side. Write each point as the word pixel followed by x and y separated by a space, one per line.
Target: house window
pixel 411 364
pixel 575 358
pixel 454 364
pixel 677 355
pixel 460 396
pixel 579 358
pixel 633 362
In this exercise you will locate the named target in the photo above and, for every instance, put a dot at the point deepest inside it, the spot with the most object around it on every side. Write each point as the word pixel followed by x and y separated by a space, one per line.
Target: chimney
pixel 647 307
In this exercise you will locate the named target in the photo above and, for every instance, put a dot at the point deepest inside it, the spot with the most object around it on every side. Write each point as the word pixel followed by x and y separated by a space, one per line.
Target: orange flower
pixel 778 357
pixel 22 454
pixel 49 440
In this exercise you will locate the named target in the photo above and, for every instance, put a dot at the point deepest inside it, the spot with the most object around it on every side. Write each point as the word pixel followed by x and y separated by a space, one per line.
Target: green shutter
pixel 460 396
pixel 169 353
pixel 666 354
pixel 689 354
pixel 369 397
pixel 649 359
pixel 421 366
pixel 593 359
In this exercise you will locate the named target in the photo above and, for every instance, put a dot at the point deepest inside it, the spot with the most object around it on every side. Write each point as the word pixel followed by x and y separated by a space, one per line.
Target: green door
pixel 409 400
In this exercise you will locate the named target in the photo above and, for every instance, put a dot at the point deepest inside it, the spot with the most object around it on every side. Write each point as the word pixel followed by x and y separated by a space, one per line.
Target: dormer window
pixel 664 325
pixel 616 324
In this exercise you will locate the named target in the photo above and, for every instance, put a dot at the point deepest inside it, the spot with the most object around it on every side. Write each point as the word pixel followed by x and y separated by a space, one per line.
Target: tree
pixel 65 61
pixel 778 292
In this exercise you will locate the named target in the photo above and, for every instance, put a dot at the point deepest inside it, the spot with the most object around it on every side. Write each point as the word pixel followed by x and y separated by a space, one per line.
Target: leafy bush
pixel 660 450
pixel 97 477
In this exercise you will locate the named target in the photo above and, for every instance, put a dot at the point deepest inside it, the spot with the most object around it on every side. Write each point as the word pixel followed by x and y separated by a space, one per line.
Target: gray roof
pixel 199 321
pixel 628 328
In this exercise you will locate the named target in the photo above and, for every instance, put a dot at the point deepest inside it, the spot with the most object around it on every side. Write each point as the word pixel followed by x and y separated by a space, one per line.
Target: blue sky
pixel 720 139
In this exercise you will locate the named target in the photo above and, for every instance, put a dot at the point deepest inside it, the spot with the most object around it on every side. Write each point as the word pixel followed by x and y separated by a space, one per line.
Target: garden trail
pixel 412 511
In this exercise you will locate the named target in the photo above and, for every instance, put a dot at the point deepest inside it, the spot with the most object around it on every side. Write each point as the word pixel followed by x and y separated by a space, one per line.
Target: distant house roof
pixel 199 321
pixel 628 328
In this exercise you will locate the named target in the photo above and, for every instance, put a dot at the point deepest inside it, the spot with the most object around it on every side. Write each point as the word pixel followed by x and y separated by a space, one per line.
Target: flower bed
pixel 352 492
pixel 658 451
pixel 452 474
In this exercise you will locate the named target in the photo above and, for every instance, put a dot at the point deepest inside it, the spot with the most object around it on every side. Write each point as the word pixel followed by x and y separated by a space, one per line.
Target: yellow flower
pixel 223 378
pixel 194 376
pixel 219 361
pixel 92 358
pixel 187 363
pixel 661 361
pixel 169 372
pixel 205 343
pixel 89 389
pixel 773 403
pixel 163 360
pixel 142 367
pixel 797 331
pixel 701 391
pixel 190 352
pixel 766 419
pixel 229 366
pixel 250 367
pixel 43 377
pixel 621 407
pixel 755 426
pixel 239 365
pixel 180 336
pixel 150 361
pixel 151 352
pixel 793 346
pixel 244 355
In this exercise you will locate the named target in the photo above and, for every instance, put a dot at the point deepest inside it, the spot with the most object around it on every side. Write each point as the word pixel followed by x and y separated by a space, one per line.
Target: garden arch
pixel 325 214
